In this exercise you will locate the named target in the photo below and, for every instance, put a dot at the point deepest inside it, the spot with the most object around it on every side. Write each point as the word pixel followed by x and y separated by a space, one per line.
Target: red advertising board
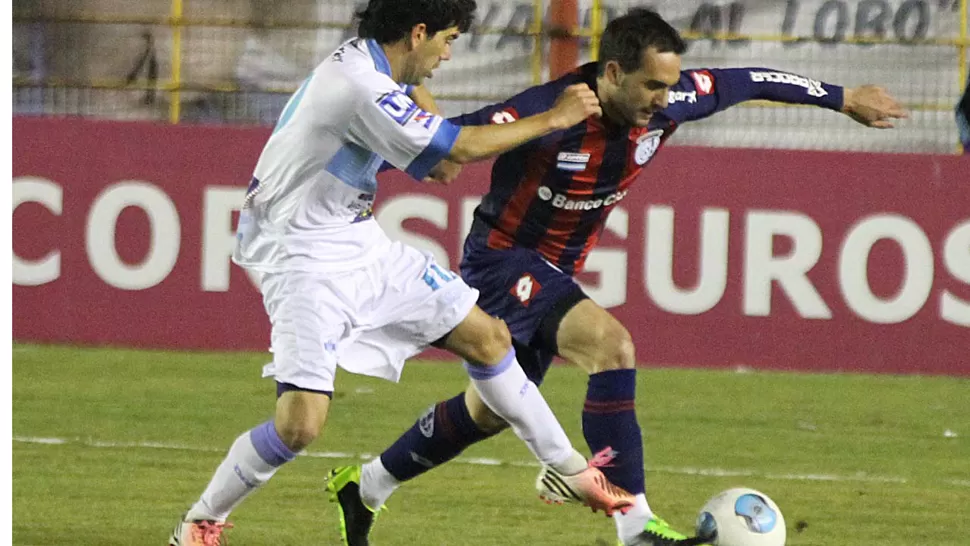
pixel 122 234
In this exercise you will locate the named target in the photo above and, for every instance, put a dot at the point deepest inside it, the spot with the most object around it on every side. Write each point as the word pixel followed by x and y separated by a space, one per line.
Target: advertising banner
pixel 770 259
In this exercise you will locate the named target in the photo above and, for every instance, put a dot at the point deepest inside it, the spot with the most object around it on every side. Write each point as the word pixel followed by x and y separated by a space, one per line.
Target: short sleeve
pixel 391 125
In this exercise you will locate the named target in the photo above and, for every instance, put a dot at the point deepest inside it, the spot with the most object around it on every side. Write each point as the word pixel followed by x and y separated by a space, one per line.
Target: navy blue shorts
pixel 520 287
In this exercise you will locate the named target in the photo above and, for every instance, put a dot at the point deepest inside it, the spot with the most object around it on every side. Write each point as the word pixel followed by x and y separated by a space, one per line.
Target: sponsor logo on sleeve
pixel 507 115
pixel 690 97
pixel 814 87
pixel 703 81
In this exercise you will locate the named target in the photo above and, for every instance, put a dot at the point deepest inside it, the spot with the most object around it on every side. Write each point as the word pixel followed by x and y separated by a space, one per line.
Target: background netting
pixel 235 61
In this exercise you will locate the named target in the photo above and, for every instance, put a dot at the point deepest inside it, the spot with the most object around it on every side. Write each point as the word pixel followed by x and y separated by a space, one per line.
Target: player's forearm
pixel 779 86
pixel 475 143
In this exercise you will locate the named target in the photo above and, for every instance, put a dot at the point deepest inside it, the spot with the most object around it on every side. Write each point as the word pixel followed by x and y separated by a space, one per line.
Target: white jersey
pixel 309 205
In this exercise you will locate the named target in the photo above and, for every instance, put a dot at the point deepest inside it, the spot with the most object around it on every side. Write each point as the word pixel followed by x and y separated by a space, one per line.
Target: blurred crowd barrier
pixel 236 61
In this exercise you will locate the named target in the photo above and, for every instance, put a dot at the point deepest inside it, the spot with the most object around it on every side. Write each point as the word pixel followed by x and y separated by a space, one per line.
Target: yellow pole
pixel 597 24
pixel 962 57
pixel 536 32
pixel 964 37
pixel 175 105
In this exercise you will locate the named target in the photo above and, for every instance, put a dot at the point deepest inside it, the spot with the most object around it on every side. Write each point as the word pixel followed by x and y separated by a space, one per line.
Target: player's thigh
pixel 309 317
pixel 593 339
pixel 522 289
pixel 422 302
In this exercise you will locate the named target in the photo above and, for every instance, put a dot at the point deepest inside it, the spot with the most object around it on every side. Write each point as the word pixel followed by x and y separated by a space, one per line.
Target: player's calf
pixel 593 339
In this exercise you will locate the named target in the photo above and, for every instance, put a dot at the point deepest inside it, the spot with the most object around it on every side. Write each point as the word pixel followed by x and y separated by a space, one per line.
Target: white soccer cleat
pixel 199 533
pixel 589 487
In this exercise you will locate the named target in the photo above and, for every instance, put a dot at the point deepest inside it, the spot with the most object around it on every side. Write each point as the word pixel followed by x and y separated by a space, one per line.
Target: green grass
pixel 883 471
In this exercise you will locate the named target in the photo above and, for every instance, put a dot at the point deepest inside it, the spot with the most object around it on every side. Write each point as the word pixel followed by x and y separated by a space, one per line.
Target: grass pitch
pixel 111 446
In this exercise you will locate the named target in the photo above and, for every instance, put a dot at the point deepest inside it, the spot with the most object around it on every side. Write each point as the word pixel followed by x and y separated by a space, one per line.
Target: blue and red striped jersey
pixel 554 194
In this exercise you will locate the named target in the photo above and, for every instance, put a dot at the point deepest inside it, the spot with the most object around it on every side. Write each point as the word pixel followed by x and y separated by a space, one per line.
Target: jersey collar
pixel 380 59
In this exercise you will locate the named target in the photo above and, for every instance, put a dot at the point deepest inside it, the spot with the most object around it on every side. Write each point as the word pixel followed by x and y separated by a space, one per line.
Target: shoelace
pixel 210 532
pixel 603 458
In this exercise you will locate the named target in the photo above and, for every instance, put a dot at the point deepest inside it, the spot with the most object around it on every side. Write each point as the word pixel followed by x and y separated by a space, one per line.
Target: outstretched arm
pixel 703 92
pixel 872 106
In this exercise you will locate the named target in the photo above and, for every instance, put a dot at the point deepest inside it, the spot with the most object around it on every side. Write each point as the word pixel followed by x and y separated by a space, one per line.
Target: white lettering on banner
pixel 37 190
pixel 658 267
pixel 761 267
pixel 394 212
pixel 917 264
pixel 956 257
pixel 165 235
pixel 468 206
pixel 611 265
pixel 218 235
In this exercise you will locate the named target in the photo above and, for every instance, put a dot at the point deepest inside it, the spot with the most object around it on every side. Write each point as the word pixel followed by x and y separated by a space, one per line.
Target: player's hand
pixel 872 106
pixel 444 173
pixel 575 104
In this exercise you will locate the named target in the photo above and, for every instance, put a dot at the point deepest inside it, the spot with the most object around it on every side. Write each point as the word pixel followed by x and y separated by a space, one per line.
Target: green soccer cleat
pixel 658 533
pixel 356 519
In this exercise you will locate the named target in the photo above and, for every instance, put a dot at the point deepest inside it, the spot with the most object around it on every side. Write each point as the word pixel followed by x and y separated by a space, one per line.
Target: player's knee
pixel 297 434
pixel 494 342
pixel 300 417
pixel 614 349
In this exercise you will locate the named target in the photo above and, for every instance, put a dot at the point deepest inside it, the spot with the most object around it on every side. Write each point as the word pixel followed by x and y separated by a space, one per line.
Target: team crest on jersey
pixel 647 146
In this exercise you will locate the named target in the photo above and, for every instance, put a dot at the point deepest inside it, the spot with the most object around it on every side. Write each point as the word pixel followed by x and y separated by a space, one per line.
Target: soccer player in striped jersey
pixel 545 211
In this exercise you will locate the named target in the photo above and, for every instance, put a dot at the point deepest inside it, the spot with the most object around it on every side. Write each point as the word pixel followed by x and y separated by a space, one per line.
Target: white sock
pixel 631 524
pixel 242 471
pixel 508 392
pixel 376 484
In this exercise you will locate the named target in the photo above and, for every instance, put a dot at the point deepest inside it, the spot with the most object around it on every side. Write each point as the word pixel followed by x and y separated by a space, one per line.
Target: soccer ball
pixel 742 517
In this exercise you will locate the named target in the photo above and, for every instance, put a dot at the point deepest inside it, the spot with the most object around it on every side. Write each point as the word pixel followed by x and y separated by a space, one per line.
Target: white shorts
pixel 367 321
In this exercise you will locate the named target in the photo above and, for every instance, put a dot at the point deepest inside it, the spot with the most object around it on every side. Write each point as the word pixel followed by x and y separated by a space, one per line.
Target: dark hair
pixel 625 39
pixel 388 21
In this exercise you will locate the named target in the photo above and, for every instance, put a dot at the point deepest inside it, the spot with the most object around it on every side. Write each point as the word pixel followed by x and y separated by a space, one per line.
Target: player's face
pixel 641 94
pixel 429 52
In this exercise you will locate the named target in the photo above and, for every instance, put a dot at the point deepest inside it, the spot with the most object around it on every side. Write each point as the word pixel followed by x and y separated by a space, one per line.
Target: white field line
pixel 687 471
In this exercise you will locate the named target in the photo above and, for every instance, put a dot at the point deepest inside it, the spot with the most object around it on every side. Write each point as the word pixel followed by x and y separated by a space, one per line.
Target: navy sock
pixel 610 423
pixel 436 438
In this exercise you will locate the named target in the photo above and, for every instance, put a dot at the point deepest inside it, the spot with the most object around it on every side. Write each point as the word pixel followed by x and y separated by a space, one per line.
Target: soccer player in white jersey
pixel 339 292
